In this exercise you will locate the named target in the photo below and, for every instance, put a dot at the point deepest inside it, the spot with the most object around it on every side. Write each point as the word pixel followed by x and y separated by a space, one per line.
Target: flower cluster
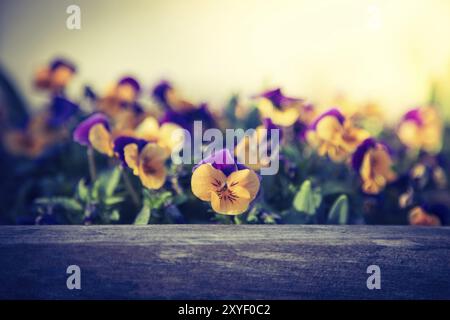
pixel 342 164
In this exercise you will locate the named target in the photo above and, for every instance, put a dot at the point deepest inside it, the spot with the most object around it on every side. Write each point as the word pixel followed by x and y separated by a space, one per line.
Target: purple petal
pixel 122 141
pixel 358 156
pixel 221 160
pixel 81 133
pixel 269 125
pixel 413 115
pixel 60 62
pixel 159 92
pixel 130 81
pixel 186 120
pixel 332 112
pixel 61 110
pixel 277 97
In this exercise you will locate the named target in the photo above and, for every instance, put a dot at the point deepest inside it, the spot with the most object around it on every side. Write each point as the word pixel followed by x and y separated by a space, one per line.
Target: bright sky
pixel 387 51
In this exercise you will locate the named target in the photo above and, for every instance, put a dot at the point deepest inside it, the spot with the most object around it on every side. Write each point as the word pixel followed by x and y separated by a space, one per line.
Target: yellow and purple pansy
pixel 421 129
pixel 56 76
pixel 373 164
pixel 284 111
pixel 333 135
pixel 145 159
pixel 95 132
pixel 228 186
pixel 122 97
pixel 419 217
pixel 258 143
pixel 168 135
pixel 42 130
pixel 180 111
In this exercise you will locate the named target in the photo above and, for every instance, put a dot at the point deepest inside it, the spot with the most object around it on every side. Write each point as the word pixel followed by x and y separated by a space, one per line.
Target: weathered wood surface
pixel 224 262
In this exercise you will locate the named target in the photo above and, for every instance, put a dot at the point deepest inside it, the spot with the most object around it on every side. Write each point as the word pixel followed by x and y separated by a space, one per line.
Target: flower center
pixel 223 192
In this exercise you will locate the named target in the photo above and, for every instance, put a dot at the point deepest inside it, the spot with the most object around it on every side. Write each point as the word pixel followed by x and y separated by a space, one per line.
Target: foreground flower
pixel 419 217
pixel 95 132
pixel 56 76
pixel 332 135
pixel 147 160
pixel 373 163
pixel 284 111
pixel 421 129
pixel 255 151
pixel 229 188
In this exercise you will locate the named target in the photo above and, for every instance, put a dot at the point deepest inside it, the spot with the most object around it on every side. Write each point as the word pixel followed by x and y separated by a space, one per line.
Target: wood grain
pixel 224 262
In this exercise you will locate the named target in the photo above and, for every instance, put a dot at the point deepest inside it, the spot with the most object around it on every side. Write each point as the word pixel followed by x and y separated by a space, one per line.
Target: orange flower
pixel 374 165
pixel 332 135
pixel 419 217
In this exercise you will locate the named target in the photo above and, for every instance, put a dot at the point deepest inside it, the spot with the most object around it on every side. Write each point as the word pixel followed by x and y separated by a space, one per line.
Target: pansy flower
pixel 169 135
pixel 122 97
pixel 42 130
pixel 258 146
pixel 56 76
pixel 283 111
pixel 419 217
pixel 147 160
pixel 373 163
pixel 421 129
pixel 180 111
pixel 35 138
pixel 229 188
pixel 95 132
pixel 331 134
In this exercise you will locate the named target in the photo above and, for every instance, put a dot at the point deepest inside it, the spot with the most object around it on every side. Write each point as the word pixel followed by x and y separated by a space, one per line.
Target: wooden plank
pixel 224 262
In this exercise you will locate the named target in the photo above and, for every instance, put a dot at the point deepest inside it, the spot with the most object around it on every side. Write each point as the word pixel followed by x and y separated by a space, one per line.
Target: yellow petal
pixel 126 93
pixel 229 206
pixel 151 166
pixel 285 118
pixel 246 179
pixel 265 107
pixel 177 103
pixel 382 164
pixel 206 180
pixel 148 129
pixel 366 167
pixel 250 158
pixel 131 154
pixel 408 134
pixel 153 179
pixel 329 129
pixel 100 139
pixel 171 136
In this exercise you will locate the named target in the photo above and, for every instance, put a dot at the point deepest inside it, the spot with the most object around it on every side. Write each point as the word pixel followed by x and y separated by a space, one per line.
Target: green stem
pixel 130 189
pixel 91 162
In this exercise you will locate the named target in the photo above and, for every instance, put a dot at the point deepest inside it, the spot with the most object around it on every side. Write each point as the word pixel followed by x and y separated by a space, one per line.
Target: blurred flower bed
pixel 104 158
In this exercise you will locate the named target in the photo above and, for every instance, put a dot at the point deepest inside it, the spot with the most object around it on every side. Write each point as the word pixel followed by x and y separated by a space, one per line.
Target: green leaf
pixel 339 211
pixel 307 200
pixel 113 200
pixel 65 202
pixel 112 181
pixel 115 215
pixel 143 216
pixel 83 191
pixel 155 200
